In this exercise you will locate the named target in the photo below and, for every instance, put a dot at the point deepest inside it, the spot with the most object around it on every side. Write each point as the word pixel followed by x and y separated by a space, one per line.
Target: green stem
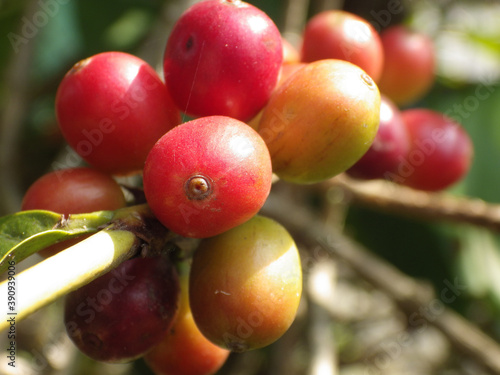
pixel 64 272
pixel 132 229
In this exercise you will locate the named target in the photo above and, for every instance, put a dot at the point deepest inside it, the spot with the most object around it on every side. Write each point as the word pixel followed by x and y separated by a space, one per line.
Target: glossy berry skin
pixel 245 285
pixel 73 191
pixel 391 144
pixel 440 151
pixel 207 176
pixel 409 64
pixel 320 121
pixel 287 70
pixel 337 34
pixel 184 350
pixel 121 315
pixel 112 108
pixel 223 58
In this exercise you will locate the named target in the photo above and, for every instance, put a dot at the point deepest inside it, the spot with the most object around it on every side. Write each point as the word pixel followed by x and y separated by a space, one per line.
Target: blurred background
pixel 349 323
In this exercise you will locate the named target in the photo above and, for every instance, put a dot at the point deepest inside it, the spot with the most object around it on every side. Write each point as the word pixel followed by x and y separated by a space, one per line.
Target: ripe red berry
pixel 121 315
pixel 207 176
pixel 337 34
pixel 73 191
pixel 391 144
pixel 223 58
pixel 440 151
pixel 112 108
pixel 409 64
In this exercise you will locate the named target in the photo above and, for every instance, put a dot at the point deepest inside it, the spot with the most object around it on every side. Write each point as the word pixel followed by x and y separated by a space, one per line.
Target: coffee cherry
pixel 390 146
pixel 337 34
pixel 409 63
pixel 73 191
pixel 184 350
pixel 223 58
pixel 112 108
pixel 320 121
pixel 207 176
pixel 440 151
pixel 121 315
pixel 245 285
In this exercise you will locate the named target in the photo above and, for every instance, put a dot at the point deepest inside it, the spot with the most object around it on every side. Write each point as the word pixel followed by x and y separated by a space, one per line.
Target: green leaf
pixel 26 232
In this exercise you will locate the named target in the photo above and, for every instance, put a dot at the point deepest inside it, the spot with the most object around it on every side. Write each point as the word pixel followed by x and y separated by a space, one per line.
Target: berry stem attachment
pixel 132 230
pixel 198 187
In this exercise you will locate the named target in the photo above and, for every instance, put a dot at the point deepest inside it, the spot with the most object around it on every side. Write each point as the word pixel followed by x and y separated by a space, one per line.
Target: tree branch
pixel 389 197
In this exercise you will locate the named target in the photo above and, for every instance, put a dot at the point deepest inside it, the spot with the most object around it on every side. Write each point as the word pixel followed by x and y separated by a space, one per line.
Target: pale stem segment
pixel 64 272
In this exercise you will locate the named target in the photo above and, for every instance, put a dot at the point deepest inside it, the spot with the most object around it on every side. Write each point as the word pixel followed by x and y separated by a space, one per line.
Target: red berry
pixel 121 315
pixel 223 58
pixel 409 62
pixel 207 176
pixel 337 34
pixel 390 145
pixel 73 191
pixel 440 151
pixel 112 108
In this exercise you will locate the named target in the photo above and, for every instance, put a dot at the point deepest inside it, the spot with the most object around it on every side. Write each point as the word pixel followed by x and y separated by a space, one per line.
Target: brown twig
pixel 411 296
pixel 389 197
